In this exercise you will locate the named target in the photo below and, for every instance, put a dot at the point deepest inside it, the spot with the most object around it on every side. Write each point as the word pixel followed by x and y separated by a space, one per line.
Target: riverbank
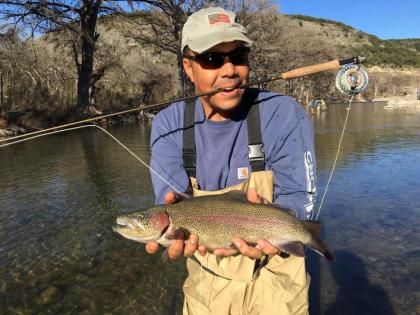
pixel 27 122
pixel 409 100
pixel 15 127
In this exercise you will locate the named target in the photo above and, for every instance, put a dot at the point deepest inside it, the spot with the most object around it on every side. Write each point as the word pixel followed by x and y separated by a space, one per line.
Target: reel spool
pixel 351 80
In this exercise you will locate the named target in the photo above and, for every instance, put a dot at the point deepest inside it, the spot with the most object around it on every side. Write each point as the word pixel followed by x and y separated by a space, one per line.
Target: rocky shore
pixel 409 100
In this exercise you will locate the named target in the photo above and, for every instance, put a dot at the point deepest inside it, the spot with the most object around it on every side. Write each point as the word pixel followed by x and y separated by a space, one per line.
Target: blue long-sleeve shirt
pixel 222 151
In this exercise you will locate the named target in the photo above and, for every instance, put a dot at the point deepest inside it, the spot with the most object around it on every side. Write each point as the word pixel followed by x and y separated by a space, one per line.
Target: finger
pixel 171 197
pixel 152 248
pixel 225 252
pixel 247 250
pixel 191 245
pixel 176 249
pixel 202 250
pixel 253 196
pixel 268 248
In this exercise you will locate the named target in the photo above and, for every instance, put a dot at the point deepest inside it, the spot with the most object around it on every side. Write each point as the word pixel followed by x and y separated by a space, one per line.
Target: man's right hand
pixel 178 247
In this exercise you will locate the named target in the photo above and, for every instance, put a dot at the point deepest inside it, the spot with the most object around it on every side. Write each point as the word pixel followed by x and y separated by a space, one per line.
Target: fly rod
pixel 295 73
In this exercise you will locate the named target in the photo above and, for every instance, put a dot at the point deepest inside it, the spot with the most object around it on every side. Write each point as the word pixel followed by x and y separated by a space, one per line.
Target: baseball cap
pixel 211 26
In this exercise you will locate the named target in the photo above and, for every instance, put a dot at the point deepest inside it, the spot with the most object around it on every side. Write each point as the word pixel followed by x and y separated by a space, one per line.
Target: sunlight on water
pixel 59 197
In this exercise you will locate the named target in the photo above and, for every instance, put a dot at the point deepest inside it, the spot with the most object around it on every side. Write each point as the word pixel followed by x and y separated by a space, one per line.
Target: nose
pixel 228 68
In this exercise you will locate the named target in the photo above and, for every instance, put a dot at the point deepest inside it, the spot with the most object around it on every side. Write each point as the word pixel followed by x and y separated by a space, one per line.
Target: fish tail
pixel 317 245
pixel 314 227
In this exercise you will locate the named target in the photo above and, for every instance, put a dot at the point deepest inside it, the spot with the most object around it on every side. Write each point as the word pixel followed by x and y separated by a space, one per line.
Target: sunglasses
pixel 215 60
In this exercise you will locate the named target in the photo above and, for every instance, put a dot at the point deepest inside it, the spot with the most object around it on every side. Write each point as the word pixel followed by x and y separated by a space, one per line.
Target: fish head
pixel 143 226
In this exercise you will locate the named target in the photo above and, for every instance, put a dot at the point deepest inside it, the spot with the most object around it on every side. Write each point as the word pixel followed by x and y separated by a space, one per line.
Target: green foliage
pixel 374 40
pixel 395 53
pixel 390 53
pixel 321 21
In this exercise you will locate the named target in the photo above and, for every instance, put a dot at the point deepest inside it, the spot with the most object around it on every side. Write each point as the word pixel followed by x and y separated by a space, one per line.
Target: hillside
pixel 40 77
pixel 349 41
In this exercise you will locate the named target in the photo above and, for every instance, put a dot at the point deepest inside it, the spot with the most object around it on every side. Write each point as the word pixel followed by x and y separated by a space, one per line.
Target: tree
pixel 160 24
pixel 76 17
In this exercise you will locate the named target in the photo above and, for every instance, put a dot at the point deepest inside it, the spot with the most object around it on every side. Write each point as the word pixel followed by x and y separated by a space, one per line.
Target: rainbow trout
pixel 217 219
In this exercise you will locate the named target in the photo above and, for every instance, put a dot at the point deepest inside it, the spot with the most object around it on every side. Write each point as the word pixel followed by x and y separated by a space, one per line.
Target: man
pixel 227 154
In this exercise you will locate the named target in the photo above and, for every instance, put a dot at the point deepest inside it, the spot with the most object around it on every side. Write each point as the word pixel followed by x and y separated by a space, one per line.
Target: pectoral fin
pixel 293 248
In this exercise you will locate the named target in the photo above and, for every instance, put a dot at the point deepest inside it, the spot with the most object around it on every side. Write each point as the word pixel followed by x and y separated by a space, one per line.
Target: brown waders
pixel 240 285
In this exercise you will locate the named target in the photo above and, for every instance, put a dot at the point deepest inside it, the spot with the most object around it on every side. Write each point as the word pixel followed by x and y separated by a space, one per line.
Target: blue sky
pixel 383 18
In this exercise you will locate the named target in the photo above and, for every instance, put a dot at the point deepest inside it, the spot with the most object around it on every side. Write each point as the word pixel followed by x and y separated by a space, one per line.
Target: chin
pixel 226 102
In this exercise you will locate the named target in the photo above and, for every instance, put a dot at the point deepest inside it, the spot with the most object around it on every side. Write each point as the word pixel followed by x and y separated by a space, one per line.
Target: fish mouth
pixel 121 223
pixel 133 234
pixel 136 232
pixel 121 226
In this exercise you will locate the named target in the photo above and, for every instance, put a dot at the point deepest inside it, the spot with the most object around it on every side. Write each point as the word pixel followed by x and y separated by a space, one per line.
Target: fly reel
pixel 351 80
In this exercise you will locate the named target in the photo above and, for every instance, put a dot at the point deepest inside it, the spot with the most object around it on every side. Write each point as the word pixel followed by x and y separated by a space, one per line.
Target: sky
pixel 386 19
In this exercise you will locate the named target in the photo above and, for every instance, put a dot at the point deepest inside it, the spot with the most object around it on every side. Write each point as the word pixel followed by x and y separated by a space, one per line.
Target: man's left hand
pixel 264 247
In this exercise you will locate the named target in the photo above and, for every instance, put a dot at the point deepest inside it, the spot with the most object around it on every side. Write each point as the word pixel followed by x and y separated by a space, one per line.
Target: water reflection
pixel 97 169
pixel 59 196
pixel 355 294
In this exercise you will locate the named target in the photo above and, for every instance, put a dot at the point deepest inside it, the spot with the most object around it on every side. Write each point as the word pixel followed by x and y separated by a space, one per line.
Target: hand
pixel 264 247
pixel 178 247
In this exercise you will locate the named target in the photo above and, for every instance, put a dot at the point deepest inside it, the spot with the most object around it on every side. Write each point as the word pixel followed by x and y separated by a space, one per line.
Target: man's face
pixel 227 76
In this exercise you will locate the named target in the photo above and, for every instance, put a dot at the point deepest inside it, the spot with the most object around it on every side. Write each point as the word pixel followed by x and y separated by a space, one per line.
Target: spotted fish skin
pixel 218 219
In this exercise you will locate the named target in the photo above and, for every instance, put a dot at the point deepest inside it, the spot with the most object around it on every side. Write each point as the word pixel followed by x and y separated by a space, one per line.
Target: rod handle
pixel 300 72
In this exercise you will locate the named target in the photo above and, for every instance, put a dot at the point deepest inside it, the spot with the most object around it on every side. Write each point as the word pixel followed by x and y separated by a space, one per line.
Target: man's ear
pixel 188 69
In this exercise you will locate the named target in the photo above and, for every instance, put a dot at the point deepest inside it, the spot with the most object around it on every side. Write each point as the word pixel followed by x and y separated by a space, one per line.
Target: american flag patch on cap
pixel 216 18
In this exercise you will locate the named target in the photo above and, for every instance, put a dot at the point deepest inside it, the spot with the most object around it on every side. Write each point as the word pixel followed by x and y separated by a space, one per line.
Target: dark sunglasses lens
pixel 239 56
pixel 214 60
pixel 211 60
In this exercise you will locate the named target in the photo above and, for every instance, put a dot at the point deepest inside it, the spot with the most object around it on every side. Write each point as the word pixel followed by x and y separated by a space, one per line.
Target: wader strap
pixel 188 148
pixel 256 155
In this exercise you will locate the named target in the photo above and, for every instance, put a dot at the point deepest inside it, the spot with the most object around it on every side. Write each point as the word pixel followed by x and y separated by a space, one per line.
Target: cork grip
pixel 300 72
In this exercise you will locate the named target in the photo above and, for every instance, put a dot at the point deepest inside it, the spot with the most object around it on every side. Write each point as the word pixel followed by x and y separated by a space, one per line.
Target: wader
pixel 237 284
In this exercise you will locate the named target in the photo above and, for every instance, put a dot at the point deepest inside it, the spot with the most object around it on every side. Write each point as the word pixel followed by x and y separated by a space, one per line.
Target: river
pixel 60 195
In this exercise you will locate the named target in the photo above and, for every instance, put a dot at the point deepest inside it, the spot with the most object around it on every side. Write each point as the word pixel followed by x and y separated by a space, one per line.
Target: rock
pixel 47 295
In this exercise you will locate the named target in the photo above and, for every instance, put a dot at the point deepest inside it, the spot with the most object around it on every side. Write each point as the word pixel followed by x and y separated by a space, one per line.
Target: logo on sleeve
pixel 243 173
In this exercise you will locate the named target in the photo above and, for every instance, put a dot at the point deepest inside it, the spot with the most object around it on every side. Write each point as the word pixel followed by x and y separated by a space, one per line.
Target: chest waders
pixel 237 284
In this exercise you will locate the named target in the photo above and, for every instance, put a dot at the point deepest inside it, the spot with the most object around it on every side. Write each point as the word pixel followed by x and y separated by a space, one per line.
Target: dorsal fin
pixel 313 226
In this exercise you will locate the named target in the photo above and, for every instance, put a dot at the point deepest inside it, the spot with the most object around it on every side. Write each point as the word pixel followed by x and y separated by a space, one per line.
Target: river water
pixel 60 195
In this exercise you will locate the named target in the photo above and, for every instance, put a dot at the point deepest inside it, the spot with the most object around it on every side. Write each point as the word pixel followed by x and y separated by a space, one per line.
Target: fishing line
pixel 106 132
pixel 300 72
pixel 41 135
pixel 336 158
pixel 139 159
pixel 350 80
pixel 329 180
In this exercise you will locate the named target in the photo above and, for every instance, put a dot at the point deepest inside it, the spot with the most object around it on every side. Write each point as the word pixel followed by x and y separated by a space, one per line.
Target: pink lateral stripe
pixel 232 219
